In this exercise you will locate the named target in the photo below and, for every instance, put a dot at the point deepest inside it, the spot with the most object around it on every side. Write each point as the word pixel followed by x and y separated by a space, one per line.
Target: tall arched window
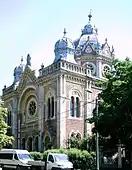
pixel 48 107
pixel 52 106
pixel 77 107
pixel 72 106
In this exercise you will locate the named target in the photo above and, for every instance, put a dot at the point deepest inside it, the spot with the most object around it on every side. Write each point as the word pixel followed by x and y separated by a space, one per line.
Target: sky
pixel 34 26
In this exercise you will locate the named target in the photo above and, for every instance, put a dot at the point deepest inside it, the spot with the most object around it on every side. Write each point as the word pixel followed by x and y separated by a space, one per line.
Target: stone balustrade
pixel 64 65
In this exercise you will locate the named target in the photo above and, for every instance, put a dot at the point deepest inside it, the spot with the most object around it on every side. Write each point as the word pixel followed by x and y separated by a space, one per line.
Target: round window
pixel 92 67
pixel 106 69
pixel 32 108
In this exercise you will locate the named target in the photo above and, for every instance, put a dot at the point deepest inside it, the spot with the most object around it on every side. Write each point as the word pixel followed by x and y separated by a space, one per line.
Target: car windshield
pixel 24 156
pixel 61 157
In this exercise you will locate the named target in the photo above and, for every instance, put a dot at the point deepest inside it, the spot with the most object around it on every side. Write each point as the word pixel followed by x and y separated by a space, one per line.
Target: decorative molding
pixel 74 79
pixel 29 89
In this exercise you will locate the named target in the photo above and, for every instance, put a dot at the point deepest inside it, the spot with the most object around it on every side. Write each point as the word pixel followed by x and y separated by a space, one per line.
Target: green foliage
pixel 36 155
pixel 80 159
pixel 4 138
pixel 86 143
pixel 115 110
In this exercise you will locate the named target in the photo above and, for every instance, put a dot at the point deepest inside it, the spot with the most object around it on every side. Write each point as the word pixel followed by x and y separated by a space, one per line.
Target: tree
pixel 4 138
pixel 85 143
pixel 115 111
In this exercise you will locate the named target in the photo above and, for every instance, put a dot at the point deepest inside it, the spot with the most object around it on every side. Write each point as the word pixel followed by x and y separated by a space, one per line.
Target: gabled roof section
pixel 106 49
pixel 28 78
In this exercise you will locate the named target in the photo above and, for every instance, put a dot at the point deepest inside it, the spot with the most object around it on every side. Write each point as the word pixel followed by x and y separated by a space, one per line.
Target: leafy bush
pixel 80 159
pixel 86 143
pixel 36 155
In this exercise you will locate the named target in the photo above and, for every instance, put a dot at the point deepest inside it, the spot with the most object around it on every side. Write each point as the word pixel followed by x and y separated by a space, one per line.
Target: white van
pixel 14 157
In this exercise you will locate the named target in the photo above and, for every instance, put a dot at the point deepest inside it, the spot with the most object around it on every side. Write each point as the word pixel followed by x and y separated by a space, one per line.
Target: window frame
pixel 80 110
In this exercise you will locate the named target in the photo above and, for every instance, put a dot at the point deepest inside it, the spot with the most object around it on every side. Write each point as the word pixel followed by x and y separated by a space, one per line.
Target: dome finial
pixel 90 15
pixel 64 32
pixel 21 59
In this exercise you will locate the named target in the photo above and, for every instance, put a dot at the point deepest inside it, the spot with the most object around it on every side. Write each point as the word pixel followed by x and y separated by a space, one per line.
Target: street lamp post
pixel 97 137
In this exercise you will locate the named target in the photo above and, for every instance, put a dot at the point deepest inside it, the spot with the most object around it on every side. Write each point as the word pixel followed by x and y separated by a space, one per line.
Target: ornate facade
pixel 44 111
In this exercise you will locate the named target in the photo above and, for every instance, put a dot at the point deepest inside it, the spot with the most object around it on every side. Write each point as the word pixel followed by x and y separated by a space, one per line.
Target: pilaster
pixel 99 68
pixel 40 94
pixel 15 122
pixel 61 110
pixel 87 104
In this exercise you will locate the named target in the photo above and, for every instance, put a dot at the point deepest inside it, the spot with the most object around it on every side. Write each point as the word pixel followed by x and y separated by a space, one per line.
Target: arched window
pixel 48 107
pixel 73 134
pixel 36 144
pixel 23 143
pixel 30 143
pixel 9 118
pixel 78 136
pixel 52 106
pixel 72 106
pixel 77 107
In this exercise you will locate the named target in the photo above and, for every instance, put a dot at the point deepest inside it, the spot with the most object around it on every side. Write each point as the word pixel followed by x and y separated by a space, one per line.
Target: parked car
pixel 14 158
pixel 54 161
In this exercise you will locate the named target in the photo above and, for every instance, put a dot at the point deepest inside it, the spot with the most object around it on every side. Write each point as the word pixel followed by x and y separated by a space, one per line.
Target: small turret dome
pixel 18 71
pixel 64 49
pixel 64 43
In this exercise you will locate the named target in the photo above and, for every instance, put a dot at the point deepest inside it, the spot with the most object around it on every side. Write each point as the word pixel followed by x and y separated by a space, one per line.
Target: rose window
pixel 91 67
pixel 106 69
pixel 32 108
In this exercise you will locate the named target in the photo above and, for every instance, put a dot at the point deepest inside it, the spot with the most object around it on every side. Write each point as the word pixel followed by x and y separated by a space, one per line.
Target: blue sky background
pixel 33 26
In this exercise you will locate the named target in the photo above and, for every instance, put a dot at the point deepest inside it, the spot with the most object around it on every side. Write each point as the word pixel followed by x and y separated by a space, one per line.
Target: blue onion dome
pixel 64 49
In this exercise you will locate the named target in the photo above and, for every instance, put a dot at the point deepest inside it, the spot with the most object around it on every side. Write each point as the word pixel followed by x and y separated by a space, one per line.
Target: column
pixel 99 68
pixel 58 111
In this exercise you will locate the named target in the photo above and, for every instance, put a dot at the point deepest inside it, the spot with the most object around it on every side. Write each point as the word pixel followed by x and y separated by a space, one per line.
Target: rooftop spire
pixel 90 15
pixel 64 32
